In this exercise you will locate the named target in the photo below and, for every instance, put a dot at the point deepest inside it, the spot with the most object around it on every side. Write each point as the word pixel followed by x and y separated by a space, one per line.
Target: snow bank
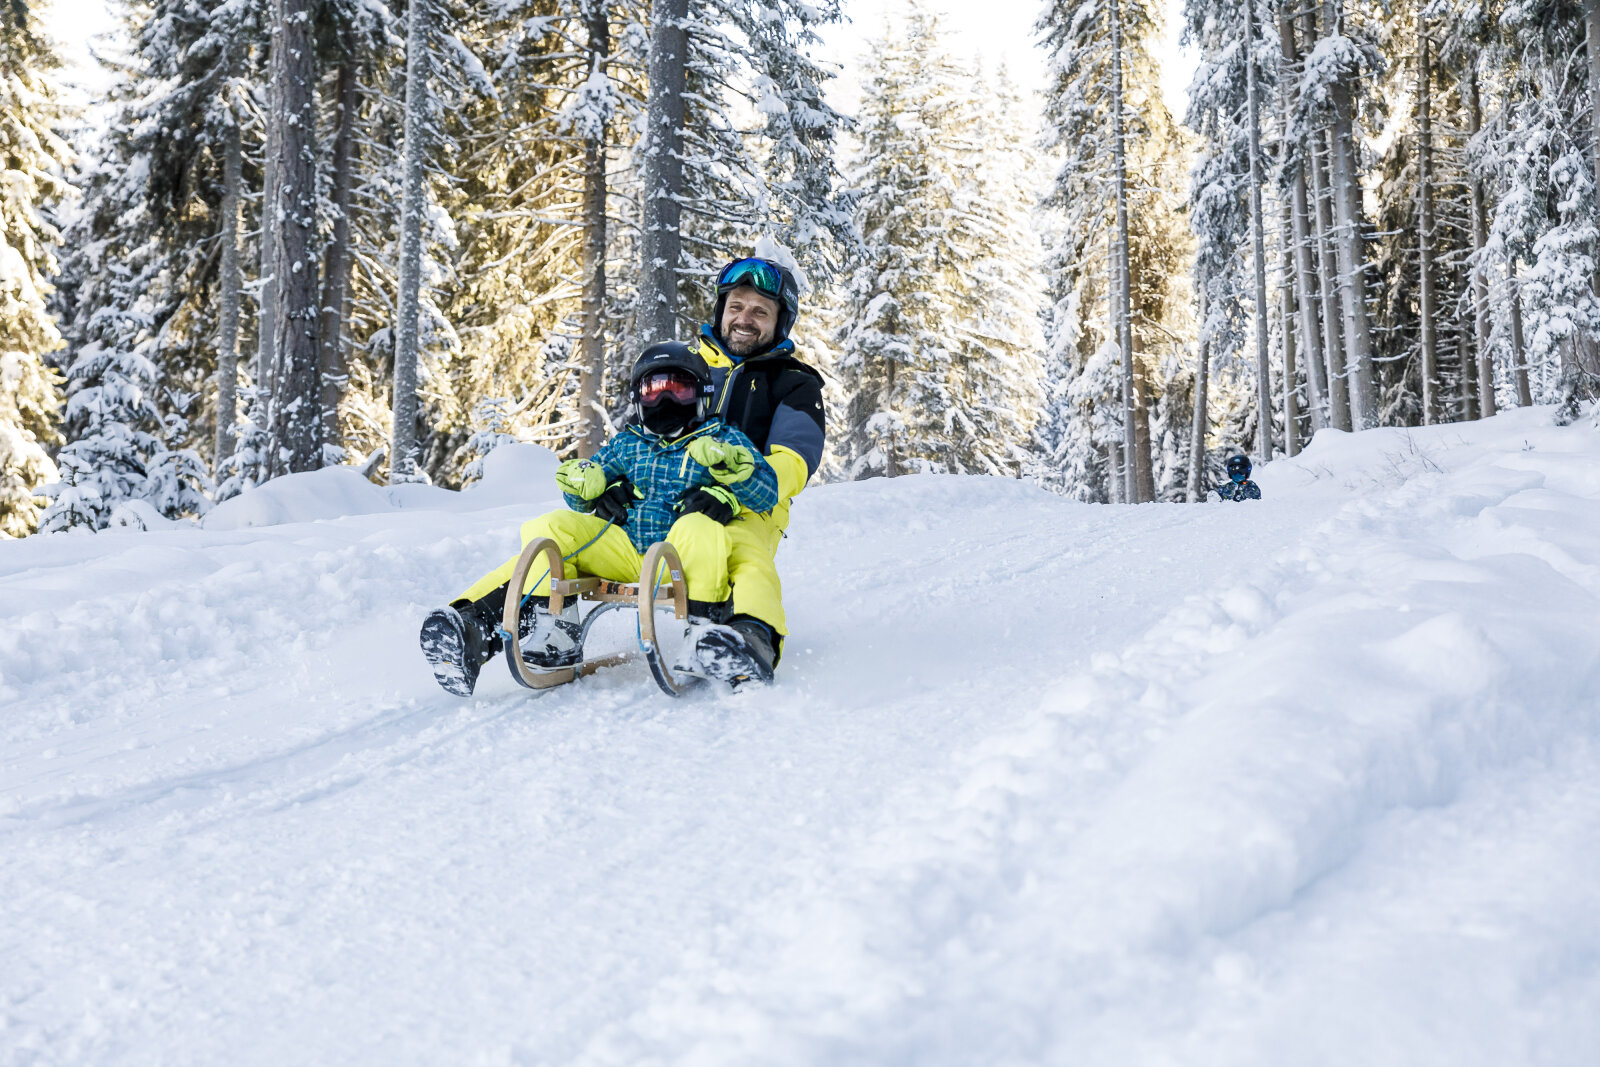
pixel 512 474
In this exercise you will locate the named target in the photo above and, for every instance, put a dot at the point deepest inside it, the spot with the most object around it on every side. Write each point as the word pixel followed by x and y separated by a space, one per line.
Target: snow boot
pixel 457 642
pixel 550 642
pixel 742 651
pixel 703 615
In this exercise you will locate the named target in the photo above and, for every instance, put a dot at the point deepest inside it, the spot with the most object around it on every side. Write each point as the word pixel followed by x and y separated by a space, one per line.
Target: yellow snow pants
pixel 741 553
pixel 703 544
pixel 753 540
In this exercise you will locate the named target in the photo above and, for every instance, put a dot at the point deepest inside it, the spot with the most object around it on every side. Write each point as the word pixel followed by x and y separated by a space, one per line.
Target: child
pixel 674 474
pixel 1239 486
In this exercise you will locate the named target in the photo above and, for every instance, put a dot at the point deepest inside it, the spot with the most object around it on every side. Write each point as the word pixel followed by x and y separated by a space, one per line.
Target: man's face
pixel 749 320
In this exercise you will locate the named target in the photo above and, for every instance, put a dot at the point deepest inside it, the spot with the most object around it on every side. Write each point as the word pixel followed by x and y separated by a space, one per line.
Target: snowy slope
pixel 1309 781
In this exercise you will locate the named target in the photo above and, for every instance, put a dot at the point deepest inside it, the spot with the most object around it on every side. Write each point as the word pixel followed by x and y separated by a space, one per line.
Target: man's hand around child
pixel 582 478
pixel 728 464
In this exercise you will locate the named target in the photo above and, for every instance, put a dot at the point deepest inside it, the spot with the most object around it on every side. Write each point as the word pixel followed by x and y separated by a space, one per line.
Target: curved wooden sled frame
pixel 646 596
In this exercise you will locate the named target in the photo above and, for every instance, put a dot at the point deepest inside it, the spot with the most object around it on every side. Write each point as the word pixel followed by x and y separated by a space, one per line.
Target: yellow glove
pixel 582 478
pixel 728 464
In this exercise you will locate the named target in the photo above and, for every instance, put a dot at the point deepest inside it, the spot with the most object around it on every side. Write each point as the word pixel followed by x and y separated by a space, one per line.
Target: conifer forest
pixel 395 234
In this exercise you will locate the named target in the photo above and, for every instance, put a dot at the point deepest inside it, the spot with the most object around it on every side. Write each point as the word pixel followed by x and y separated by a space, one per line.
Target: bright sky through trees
pixel 998 31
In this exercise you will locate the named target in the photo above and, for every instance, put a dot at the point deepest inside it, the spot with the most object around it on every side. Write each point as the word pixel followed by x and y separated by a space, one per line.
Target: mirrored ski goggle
pixel 756 273
pixel 654 388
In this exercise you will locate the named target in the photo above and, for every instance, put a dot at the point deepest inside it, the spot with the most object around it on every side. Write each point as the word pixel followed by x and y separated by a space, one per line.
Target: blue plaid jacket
pixel 1245 490
pixel 664 471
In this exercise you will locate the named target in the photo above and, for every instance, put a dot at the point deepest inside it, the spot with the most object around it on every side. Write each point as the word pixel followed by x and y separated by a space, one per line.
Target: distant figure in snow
pixel 1239 486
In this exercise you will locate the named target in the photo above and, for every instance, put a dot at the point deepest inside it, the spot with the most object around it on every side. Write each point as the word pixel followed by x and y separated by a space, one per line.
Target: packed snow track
pixel 1314 780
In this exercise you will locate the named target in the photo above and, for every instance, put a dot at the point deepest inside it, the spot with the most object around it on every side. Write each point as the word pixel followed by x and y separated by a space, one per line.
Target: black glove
pixel 717 502
pixel 614 504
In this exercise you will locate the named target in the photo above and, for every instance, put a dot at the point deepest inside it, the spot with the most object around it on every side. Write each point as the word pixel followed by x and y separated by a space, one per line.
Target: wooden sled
pixel 645 596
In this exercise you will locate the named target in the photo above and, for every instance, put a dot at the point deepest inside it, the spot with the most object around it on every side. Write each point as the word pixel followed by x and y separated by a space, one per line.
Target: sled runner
pixel 647 596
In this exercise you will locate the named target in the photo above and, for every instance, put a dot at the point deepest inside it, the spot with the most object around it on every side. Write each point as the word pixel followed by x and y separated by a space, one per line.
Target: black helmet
pixel 768 279
pixel 1239 466
pixel 679 388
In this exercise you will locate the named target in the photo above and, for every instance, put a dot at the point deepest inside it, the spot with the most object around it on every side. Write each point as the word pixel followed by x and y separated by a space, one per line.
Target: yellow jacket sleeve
pixel 791 469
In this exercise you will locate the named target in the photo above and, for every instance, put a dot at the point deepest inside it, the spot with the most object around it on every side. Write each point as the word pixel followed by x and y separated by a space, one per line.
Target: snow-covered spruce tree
pixel 1422 317
pixel 895 346
pixel 938 351
pixel 1001 350
pixel 1265 229
pixel 141 294
pixel 809 214
pixel 122 425
pixel 734 183
pixel 1343 57
pixel 542 162
pixel 368 324
pixel 33 164
pixel 1545 219
pixel 1306 329
pixel 1079 116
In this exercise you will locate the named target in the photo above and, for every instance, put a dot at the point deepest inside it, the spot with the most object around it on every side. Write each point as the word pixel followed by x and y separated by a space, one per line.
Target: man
pixel 1239 486
pixel 764 390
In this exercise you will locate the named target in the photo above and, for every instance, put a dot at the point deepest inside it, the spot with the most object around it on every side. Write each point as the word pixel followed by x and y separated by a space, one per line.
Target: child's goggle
pixel 666 385
pixel 756 273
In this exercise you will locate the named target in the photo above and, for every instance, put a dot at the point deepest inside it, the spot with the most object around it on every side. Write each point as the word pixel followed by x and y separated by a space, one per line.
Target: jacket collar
pixel 708 427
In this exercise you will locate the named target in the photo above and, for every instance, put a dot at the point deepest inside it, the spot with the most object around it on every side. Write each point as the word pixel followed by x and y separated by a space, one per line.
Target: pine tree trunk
pixel 267 316
pixel 1519 352
pixel 1591 22
pixel 1469 380
pixel 1306 294
pixel 296 419
pixel 661 242
pixel 891 465
pixel 1346 180
pixel 1327 277
pixel 229 283
pixel 402 458
pixel 1197 438
pixel 1258 244
pixel 1480 239
pixel 336 265
pixel 592 351
pixel 1122 303
pixel 1428 311
pixel 1143 466
pixel 1578 380
pixel 1291 394
pixel 1327 268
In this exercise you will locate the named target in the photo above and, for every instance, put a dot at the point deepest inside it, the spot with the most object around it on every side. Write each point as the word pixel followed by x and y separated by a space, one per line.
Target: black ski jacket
pixel 776 400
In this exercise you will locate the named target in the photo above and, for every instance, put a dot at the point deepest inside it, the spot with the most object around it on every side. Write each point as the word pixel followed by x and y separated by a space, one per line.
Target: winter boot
pixel 457 642
pixel 703 615
pixel 742 651
pixel 550 642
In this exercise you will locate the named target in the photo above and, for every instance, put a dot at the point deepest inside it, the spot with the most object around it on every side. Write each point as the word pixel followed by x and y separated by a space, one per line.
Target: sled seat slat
pixel 598 589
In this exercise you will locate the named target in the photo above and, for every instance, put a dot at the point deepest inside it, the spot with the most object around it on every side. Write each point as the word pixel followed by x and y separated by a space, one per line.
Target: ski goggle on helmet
pixel 674 385
pixel 668 381
pixel 1238 467
pixel 759 274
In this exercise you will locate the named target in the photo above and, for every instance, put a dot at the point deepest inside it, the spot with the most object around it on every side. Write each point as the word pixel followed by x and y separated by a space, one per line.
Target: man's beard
pixel 743 346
